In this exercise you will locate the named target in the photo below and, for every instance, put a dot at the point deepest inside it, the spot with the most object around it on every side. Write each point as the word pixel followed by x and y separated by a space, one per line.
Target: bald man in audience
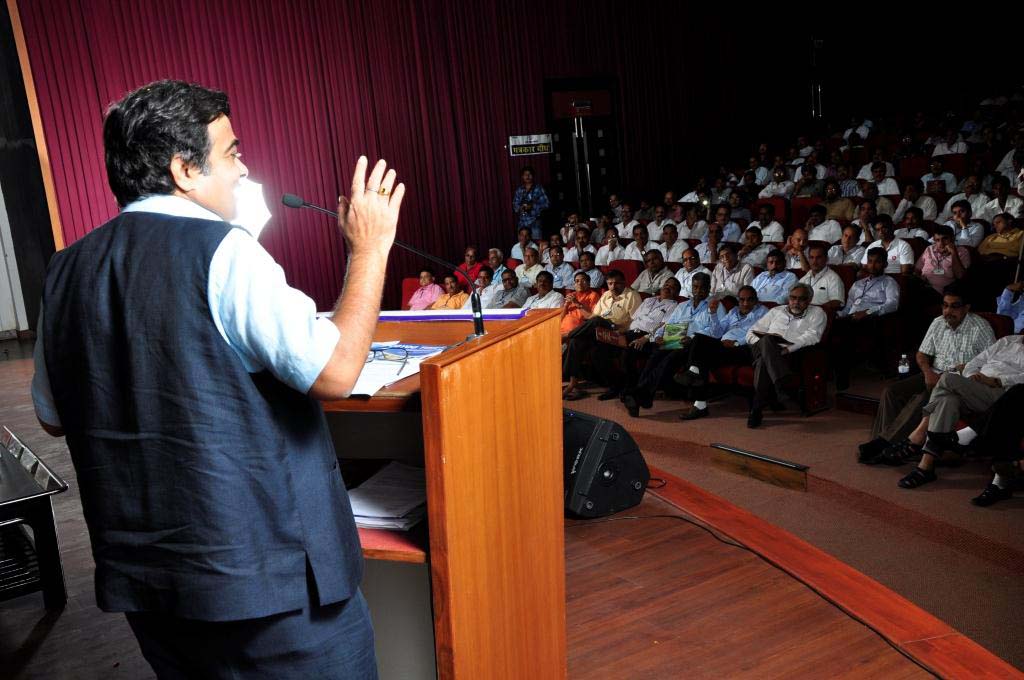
pixel 848 250
pixel 426 293
pixel 691 266
pixel 527 272
pixel 796 250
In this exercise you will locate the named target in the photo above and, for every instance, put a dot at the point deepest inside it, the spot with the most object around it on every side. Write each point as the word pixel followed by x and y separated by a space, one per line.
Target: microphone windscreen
pixel 292 201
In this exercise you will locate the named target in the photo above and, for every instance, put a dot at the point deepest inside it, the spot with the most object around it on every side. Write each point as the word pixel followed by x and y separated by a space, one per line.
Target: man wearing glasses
pixel 773 340
pixel 691 266
pixel 952 340
pixel 511 295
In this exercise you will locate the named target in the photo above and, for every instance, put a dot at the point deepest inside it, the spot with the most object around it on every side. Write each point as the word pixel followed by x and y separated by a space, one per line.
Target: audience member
pixel 729 274
pixel 773 284
pixel 951 144
pixel 484 289
pixel 943 262
pixel 877 157
pixel 1010 304
pixel 821 229
pixel 858 323
pixel 771 231
pixel 1002 201
pixel 519 249
pixel 527 272
pixel 913 198
pixel 553 240
pixel 657 225
pixel 671 247
pixel 628 223
pixel 912 225
pixel 848 250
pixel 952 340
pixel 899 254
pixel 970 193
pixel 966 231
pixel 827 288
pixel 779 187
pixel 699 315
pixel 572 223
pixel 603 227
pixel 578 304
pixel 692 226
pixel 588 267
pixel 610 251
pixel 470 267
pixel 546 297
pixel 984 379
pixel 496 261
pixel 428 291
pixel 773 340
pixel 580 245
pixel 808 185
pixel 654 275
pixel 691 265
pixel 1000 430
pixel 865 221
pixel 638 249
pixel 848 187
pixel 754 252
pixel 836 206
pixel 561 271
pixel 730 231
pixel 882 204
pixel 1005 242
pixel 511 295
pixel 938 181
pixel 738 211
pixel 886 186
pixel 708 249
pixel 453 296
pixel 796 250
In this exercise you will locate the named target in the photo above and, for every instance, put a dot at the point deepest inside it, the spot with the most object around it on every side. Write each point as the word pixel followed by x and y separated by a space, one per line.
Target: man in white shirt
pixel 729 274
pixel 882 204
pixel 691 266
pixel 780 186
pixel 654 276
pixel 812 160
pixel 938 181
pixel 625 227
pixel 1005 166
pixel 656 225
pixel 610 251
pixel 848 250
pixel 587 266
pixel 753 251
pixel 526 273
pixel 546 297
pixel 519 249
pixel 671 247
pixel 484 288
pixel 970 193
pixel 771 231
pixel 708 250
pixel 886 185
pixel 776 336
pixel 950 145
pixel 912 226
pixel 913 198
pixel 984 379
pixel 877 157
pixel 899 254
pixel 560 270
pixel 1002 201
pixel 821 229
pixel 761 174
pixel 582 244
pixel 640 245
pixel 826 286
pixel 796 250
pixel 966 232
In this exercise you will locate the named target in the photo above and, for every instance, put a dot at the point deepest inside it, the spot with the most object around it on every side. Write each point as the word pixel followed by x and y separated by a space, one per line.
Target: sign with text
pixel 529 145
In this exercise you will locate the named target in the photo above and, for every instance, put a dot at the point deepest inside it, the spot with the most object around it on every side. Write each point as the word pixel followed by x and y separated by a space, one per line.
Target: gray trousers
pixel 770 366
pixel 899 410
pixel 956 395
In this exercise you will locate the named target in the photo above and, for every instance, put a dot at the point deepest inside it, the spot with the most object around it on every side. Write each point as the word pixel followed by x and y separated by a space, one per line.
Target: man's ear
pixel 185 176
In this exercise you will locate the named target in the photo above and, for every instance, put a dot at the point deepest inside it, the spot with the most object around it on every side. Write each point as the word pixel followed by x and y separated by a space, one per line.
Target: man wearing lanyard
pixel 870 299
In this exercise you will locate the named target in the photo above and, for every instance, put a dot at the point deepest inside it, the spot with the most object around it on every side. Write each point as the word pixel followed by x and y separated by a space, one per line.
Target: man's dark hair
pixel 956 290
pixel 777 254
pixel 878 165
pixel 1002 181
pixel 816 246
pixel 963 204
pixel 546 275
pixel 769 206
pixel 882 219
pixel 614 274
pixel 427 271
pixel 818 210
pixel 943 230
pixel 702 276
pixel 485 268
pixel 749 289
pixel 917 211
pixel 147 128
pixel 878 251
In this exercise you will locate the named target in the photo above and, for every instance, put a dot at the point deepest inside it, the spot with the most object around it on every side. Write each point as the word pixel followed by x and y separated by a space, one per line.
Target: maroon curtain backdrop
pixel 435 87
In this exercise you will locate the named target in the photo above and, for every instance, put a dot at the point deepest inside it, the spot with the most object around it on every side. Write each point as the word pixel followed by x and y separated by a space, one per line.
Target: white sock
pixel 694 369
pixel 700 405
pixel 966 436
pixel 1000 481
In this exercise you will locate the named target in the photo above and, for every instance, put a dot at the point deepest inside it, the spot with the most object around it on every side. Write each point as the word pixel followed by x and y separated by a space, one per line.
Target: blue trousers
pixel 335 641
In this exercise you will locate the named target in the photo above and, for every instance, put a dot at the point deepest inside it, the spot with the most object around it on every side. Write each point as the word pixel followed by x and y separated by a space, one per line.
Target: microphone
pixel 293 201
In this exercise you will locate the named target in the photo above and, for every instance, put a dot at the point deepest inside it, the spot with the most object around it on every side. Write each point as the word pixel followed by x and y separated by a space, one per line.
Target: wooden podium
pixel 485 421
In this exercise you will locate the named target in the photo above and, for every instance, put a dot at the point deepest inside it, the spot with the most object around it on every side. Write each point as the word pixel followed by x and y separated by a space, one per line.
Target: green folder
pixel 674 334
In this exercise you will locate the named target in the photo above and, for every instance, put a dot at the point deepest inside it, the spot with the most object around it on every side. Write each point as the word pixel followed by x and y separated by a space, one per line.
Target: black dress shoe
pixel 632 406
pixel 610 394
pixel 688 378
pixel 991 494
pixel 755 417
pixel 868 452
pixel 694 413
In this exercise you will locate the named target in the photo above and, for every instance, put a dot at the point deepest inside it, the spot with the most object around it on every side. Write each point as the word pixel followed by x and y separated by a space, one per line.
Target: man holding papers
pixel 773 340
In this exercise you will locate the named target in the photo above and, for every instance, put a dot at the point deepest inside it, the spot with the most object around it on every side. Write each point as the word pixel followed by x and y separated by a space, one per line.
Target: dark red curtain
pixel 435 87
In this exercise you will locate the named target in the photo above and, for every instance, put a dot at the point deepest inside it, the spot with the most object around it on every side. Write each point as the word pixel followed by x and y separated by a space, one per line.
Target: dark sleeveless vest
pixel 209 492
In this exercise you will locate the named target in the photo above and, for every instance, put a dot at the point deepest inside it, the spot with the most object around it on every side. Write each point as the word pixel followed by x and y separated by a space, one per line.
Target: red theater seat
pixel 409 286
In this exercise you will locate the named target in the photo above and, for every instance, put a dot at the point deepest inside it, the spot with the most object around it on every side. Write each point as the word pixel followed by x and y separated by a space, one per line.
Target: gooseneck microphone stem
pixel 293 201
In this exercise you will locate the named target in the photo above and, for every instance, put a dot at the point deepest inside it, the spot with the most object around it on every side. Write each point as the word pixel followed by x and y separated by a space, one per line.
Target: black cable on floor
pixel 720 539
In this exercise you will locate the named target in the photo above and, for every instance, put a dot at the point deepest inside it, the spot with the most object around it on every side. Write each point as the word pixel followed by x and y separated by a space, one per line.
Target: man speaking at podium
pixel 185 374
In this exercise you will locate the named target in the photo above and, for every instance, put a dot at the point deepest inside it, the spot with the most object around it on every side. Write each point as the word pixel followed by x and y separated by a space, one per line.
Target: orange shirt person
pixel 454 297
pixel 580 301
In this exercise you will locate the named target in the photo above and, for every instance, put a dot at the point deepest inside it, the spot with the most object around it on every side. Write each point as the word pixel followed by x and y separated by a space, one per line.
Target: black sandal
pixel 916 478
pixel 900 453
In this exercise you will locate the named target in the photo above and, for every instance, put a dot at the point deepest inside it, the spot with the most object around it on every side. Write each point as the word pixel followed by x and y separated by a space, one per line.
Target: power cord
pixel 735 544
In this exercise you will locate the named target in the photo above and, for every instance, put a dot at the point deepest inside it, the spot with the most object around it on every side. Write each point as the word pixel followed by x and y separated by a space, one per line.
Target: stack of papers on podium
pixel 389 362
pixel 394 498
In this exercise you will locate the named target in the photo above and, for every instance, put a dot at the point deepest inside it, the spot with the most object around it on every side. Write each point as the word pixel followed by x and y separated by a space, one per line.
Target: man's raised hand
pixel 368 218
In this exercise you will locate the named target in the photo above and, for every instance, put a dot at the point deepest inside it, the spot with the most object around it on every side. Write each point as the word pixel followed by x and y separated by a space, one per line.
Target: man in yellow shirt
pixel 454 297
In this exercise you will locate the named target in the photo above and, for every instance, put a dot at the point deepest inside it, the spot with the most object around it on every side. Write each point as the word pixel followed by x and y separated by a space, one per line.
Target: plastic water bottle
pixel 904 365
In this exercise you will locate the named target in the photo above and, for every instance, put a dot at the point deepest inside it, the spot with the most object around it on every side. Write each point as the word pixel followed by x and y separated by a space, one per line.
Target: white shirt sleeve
pixel 268 324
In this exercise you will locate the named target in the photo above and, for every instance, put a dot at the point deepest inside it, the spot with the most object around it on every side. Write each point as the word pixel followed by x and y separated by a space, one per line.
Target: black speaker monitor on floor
pixel 604 470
